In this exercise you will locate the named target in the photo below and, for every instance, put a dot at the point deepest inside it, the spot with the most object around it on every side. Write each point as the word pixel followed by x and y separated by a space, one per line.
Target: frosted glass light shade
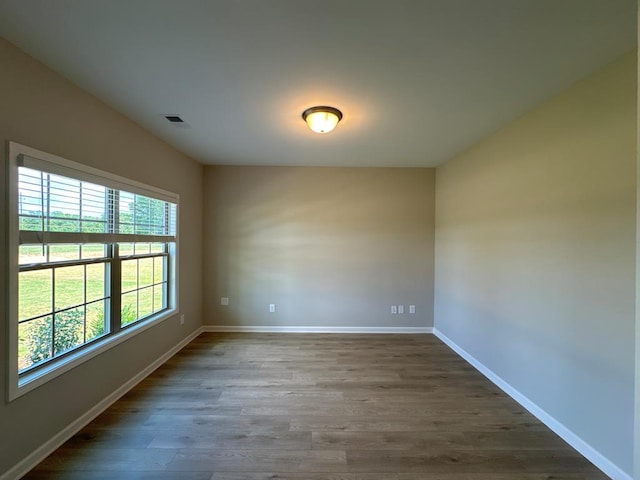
pixel 322 119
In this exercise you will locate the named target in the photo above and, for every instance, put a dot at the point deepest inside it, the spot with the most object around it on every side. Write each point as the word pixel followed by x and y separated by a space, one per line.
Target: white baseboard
pixel 281 329
pixel 590 453
pixel 42 452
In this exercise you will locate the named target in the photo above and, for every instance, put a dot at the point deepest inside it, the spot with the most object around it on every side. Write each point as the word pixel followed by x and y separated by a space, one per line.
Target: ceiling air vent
pixel 174 118
pixel 176 121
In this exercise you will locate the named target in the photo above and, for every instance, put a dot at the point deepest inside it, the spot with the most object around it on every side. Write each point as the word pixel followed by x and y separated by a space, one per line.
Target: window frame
pixel 21 384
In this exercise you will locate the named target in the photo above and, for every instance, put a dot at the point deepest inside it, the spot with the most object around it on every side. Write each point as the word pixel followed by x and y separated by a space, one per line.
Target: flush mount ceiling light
pixel 322 119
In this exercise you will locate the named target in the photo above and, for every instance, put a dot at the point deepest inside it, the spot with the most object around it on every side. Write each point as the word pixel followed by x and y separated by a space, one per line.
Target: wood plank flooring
pixel 316 407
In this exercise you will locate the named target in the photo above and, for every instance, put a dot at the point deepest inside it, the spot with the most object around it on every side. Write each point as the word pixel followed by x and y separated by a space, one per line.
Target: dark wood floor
pixel 316 407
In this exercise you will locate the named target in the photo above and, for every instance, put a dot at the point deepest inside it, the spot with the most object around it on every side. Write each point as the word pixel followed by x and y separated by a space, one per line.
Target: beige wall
pixel 331 247
pixel 40 109
pixel 535 257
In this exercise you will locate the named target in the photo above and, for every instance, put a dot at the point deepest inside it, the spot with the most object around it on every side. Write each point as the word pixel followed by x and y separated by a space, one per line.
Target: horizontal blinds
pixel 57 208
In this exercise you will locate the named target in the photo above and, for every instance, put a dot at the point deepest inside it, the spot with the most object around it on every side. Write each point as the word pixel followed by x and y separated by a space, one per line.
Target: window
pixel 95 257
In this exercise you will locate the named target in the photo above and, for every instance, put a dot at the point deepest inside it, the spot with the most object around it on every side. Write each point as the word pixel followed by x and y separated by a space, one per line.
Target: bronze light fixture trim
pixel 322 119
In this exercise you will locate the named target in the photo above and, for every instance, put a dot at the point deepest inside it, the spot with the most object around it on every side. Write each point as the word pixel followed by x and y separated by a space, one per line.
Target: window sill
pixel 55 368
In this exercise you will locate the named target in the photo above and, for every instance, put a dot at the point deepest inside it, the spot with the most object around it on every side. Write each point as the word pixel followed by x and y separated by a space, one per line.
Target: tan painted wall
pixel 330 247
pixel 535 256
pixel 40 109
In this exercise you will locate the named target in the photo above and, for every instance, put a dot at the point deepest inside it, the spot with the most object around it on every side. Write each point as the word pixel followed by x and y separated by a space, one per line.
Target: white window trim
pixel 20 385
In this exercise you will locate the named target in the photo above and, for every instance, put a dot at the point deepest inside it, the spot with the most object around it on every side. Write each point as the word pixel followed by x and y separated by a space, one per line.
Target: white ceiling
pixel 417 80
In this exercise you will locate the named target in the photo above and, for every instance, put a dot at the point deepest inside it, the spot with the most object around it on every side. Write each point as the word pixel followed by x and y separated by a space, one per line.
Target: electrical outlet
pixel 394 309
pixel 412 309
pixel 401 309
pixel 182 319
pixel 272 308
pixel 224 301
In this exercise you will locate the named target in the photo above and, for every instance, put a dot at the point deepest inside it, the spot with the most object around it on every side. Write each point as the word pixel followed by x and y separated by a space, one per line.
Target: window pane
pixel 129 275
pixel 158 269
pixel 145 302
pixel 35 293
pixel 158 217
pixel 64 204
pixel 129 309
pixel 95 281
pixel 157 247
pixel 94 250
pixel 61 253
pixel 96 324
pixel 63 222
pixel 69 286
pixel 126 213
pixel 29 254
pixel 90 226
pixel 35 341
pixel 172 215
pixel 30 222
pixel 60 204
pixel 158 297
pixel 145 272
pixel 142 215
pixel 30 200
pixel 69 330
pixel 94 208
pixel 125 249
pixel 142 248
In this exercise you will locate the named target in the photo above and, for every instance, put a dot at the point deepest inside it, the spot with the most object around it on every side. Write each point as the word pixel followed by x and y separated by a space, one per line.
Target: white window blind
pixel 54 208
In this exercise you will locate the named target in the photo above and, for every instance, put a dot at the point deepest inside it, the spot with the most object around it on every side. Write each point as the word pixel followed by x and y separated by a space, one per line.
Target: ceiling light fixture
pixel 322 119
